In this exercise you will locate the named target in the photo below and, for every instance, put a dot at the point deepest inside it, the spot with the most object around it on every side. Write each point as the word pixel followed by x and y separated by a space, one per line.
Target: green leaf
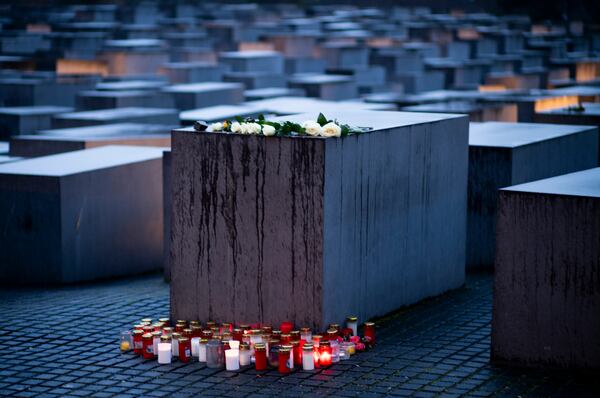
pixel 261 117
pixel 345 130
pixel 239 119
pixel 322 120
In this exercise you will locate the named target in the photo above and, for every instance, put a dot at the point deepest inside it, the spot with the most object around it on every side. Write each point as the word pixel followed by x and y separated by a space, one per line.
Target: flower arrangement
pixel 322 127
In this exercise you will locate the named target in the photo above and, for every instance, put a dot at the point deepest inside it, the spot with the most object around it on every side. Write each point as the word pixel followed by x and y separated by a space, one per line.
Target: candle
pixel 126 341
pixel 155 341
pixel 335 351
pixel 352 323
pixel 232 360
pixel 202 350
pixel 306 334
pixel 175 344
pixel 164 353
pixel 148 352
pixel 286 359
pixel 308 362
pixel 325 353
pixel 370 331
pixel 195 346
pixel 214 354
pixel 185 349
pixel 245 354
pixel 260 354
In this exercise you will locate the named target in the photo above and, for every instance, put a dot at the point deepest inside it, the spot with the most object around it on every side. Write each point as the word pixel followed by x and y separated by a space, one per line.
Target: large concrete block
pixel 27 119
pixel 219 113
pixel 327 87
pixel 106 99
pixel 255 80
pixel 50 142
pixel 505 154
pixel 253 61
pixel 192 72
pixel 272 229
pixel 42 90
pixel 201 95
pixel 547 273
pixel 291 105
pixel 81 215
pixel 121 115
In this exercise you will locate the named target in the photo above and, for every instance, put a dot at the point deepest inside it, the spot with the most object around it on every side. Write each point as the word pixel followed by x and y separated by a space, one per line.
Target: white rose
pixel 268 130
pixel 331 130
pixel 216 126
pixel 255 128
pixel 236 127
pixel 312 128
pixel 244 128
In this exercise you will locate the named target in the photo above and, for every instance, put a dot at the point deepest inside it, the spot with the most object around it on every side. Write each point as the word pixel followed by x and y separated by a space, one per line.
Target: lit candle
pixel 370 331
pixel 232 360
pixel 195 346
pixel 308 361
pixel 164 353
pixel 202 350
pixel 352 323
pixel 325 351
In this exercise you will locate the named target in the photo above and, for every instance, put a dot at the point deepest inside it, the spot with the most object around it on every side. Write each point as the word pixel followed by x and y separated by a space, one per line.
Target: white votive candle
pixel 202 352
pixel 234 344
pixel 352 323
pixel 195 346
pixel 245 356
pixel 164 353
pixel 175 347
pixel 232 360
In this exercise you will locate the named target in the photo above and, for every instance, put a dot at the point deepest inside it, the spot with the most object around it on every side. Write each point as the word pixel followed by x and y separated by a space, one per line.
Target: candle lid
pixel 183 339
pixel 369 323
pixel 147 320
pixel 164 320
pixel 165 338
pixel 333 326
pixel 244 326
pixel 260 347
pixel 203 341
pixel 352 318
pixel 176 335
pixel 307 347
pixel 138 331
pixel 147 336
pixel 168 330
pixel 324 343
pixel 194 323
pixel 181 321
pixel 285 348
pixel 305 330
pixel 276 332
pixel 157 333
pixel 246 346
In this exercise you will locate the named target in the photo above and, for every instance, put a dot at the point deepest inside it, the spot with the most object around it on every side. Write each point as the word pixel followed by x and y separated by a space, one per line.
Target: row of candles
pixel 223 346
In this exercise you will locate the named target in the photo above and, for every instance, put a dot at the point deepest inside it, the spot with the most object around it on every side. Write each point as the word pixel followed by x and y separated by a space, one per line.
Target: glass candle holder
pixel 352 323
pixel 175 344
pixel 260 356
pixel 237 334
pixel 347 349
pixel 164 353
pixel 167 331
pixel 332 334
pixel 295 335
pixel 286 359
pixel 147 320
pixel 179 326
pixel 306 334
pixel 165 321
pixel 234 344
pixel 202 350
pixel 308 361
pixel 148 347
pixel 297 352
pixel 245 354
pixel 155 341
pixel 215 357
pixel 285 338
pixel 126 341
pixel 274 355
pixel 185 349
pixel 232 360
pixel 195 346
pixel 325 358
pixel 187 333
pixel 335 351
pixel 370 331
pixel 196 331
pixel 138 347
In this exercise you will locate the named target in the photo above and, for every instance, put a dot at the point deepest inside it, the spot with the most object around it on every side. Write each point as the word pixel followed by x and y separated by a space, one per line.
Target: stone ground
pixel 64 342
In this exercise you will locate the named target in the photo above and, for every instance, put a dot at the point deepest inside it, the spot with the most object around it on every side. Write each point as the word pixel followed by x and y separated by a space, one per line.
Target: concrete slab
pixel 121 115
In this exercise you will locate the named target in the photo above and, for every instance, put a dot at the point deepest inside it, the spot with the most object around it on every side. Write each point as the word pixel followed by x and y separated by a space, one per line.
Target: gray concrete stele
pixel 505 154
pixel 310 230
pixel 81 215
pixel 547 273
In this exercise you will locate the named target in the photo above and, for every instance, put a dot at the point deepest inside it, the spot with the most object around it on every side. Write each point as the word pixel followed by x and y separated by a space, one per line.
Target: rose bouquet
pixel 322 127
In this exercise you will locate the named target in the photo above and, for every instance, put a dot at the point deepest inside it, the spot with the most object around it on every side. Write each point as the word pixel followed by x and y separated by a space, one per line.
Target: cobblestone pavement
pixel 64 342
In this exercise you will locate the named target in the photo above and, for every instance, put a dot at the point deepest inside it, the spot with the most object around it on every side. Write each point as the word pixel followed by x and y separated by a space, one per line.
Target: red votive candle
pixel 326 354
pixel 185 349
pixel 370 331
pixel 286 327
pixel 260 356
pixel 138 345
pixel 297 351
pixel 285 359
pixel 285 338
pixel 148 346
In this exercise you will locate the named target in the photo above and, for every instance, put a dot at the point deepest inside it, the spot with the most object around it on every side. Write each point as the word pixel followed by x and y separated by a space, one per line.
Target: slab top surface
pixel 511 135
pixel 131 85
pixel 582 183
pixel 376 120
pixel 105 130
pixel 590 109
pixel 82 161
pixel 117 113
pixel 249 54
pixel 202 87
pixel 320 79
pixel 291 105
pixel 34 110
pixel 219 112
